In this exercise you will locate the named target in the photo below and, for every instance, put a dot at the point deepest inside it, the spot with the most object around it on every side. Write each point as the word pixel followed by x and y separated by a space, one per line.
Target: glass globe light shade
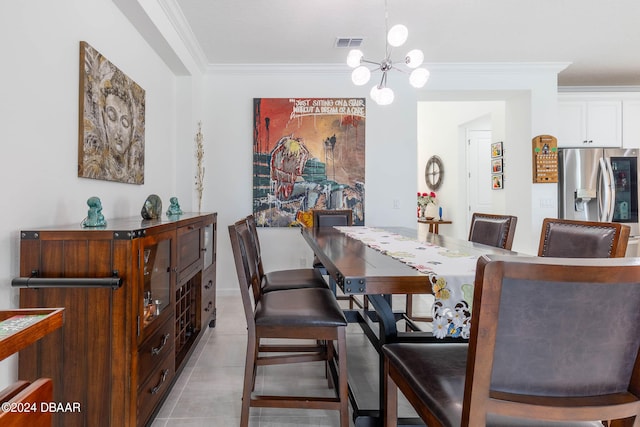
pixel 397 35
pixel 381 95
pixel 419 77
pixel 414 58
pixel 354 57
pixel 375 93
pixel 385 96
pixel 360 75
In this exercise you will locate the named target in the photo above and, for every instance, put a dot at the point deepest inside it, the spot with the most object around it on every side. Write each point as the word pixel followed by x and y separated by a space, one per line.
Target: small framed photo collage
pixel 497 166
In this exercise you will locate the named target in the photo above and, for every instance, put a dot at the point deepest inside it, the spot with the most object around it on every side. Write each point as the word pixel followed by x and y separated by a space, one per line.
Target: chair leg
pixel 390 399
pixel 408 311
pixel 249 380
pixel 331 354
pixel 254 374
pixel 343 388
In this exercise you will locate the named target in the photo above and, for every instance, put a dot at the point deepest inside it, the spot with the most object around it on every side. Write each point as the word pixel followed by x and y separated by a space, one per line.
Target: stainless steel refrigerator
pixel 600 184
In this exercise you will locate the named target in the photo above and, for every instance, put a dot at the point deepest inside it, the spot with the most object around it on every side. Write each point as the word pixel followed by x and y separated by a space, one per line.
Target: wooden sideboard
pixel 137 294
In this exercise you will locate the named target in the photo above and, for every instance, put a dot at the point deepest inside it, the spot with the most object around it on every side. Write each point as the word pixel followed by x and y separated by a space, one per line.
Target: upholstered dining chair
pixel 564 238
pixel 489 229
pixel 575 365
pixel 493 230
pixel 333 218
pixel 278 280
pixel 307 314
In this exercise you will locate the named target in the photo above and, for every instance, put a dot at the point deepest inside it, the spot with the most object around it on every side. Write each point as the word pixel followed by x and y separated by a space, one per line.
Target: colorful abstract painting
pixel 308 153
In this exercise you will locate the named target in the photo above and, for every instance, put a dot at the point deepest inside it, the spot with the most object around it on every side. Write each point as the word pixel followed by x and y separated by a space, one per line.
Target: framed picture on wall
pixel 496 165
pixel 497 182
pixel 112 121
pixel 308 153
pixel 496 149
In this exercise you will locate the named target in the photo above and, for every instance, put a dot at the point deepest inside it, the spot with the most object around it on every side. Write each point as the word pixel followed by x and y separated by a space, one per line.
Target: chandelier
pixel 361 74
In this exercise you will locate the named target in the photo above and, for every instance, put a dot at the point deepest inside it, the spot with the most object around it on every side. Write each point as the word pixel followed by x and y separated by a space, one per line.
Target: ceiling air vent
pixel 349 41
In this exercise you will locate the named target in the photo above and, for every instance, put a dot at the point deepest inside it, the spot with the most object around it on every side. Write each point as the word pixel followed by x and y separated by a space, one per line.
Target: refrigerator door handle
pixel 607 190
pixel 612 184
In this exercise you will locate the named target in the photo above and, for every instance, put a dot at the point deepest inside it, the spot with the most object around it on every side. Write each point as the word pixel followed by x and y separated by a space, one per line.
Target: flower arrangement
pixel 425 199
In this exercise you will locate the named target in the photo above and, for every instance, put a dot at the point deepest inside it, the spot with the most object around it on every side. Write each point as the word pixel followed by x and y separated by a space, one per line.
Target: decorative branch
pixel 199 167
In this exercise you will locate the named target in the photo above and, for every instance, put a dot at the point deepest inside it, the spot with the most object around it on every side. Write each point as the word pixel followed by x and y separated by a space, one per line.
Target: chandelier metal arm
pixel 383 80
pixel 369 62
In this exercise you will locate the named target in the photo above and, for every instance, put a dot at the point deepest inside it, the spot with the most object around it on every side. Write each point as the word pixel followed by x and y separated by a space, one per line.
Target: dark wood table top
pixel 360 269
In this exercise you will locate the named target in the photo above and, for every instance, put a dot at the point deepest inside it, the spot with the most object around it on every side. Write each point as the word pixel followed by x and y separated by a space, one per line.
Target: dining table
pixel 379 262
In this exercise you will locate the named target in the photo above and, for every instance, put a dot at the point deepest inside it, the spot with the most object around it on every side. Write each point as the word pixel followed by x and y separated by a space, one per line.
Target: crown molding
pixel 254 69
pixel 459 67
pixel 582 89
pixel 179 22
pixel 498 67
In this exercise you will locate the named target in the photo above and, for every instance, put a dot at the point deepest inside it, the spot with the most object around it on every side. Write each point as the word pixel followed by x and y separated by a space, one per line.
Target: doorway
pixel 479 197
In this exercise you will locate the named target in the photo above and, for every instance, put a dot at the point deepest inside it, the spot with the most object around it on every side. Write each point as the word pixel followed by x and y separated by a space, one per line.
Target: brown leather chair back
pixel 332 217
pixel 563 238
pixel 255 241
pixel 493 230
pixel 576 349
pixel 245 260
pixel 579 361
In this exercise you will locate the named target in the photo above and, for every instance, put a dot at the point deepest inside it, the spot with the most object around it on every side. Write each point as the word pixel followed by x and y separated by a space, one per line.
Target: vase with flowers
pixel 427 207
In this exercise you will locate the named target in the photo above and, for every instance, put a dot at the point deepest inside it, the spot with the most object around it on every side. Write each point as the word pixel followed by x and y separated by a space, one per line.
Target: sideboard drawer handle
pixel 163 378
pixel 156 350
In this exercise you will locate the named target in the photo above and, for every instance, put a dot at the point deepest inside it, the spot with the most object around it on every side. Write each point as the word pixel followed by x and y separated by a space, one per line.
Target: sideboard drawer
pixel 189 249
pixel 151 392
pixel 153 350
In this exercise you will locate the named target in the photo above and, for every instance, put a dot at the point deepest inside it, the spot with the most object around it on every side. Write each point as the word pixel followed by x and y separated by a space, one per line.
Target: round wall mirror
pixel 434 173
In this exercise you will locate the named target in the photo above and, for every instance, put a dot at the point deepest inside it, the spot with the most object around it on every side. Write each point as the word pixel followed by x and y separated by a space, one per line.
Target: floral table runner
pixel 451 274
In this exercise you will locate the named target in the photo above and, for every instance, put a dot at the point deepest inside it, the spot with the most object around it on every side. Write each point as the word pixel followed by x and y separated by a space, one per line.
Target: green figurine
pixel 174 207
pixel 94 216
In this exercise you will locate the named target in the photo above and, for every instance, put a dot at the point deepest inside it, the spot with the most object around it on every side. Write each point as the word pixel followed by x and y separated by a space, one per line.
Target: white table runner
pixel 451 274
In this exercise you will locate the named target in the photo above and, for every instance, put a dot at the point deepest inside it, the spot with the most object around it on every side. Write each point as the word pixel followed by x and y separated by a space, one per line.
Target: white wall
pixel 529 92
pixel 440 124
pixel 39 123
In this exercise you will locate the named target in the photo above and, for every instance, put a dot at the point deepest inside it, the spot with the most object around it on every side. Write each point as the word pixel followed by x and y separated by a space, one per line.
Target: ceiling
pixel 600 38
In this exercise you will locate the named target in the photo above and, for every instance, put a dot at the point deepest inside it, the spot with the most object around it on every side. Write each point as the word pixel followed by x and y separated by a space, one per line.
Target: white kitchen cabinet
pixel 631 123
pixel 589 123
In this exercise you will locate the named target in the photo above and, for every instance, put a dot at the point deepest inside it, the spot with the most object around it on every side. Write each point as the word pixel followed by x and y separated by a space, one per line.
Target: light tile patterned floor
pixel 208 391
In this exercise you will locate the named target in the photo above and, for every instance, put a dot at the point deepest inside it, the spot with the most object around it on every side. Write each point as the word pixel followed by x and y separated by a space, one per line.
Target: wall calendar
pixel 545 159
